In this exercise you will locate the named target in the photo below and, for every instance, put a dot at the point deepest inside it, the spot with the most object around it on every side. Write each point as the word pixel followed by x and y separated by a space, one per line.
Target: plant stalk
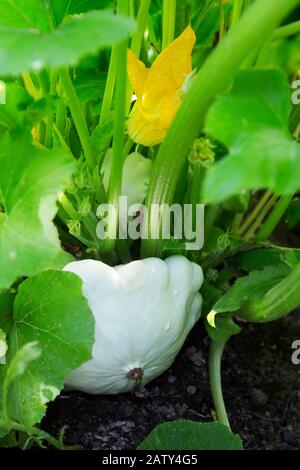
pixel 287 30
pixel 215 360
pixel 169 22
pixel 78 117
pixel 260 218
pixel 50 120
pixel 115 182
pixel 274 218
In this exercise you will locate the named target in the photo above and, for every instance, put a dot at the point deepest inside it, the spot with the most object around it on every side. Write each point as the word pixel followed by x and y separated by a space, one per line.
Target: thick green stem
pixel 61 112
pixel 236 11
pixel 287 30
pixel 123 8
pixel 137 40
pixel 277 302
pixel 68 207
pixel 222 20
pixel 30 86
pixel 50 120
pixel 115 182
pixel 216 75
pixel 274 218
pixel 141 20
pixel 169 21
pixel 109 87
pixel 215 359
pixel 78 117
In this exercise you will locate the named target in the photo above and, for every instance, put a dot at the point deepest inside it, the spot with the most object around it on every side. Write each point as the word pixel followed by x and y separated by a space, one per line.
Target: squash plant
pixel 161 102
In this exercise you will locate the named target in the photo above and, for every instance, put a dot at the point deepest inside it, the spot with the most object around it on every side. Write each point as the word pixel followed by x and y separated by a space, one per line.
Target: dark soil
pixel 261 389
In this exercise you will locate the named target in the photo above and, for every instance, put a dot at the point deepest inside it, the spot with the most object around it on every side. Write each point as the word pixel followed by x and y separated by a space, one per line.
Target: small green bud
pixel 74 227
pixel 80 178
pixel 71 187
pixel 85 207
pixel 202 153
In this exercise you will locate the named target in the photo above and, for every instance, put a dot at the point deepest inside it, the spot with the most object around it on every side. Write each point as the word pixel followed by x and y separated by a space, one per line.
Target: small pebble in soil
pixel 191 389
pixel 258 397
pixel 195 356
pixel 171 379
pixel 290 439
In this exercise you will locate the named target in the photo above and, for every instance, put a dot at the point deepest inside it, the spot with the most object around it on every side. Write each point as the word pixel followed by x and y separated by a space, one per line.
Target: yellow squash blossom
pixel 159 89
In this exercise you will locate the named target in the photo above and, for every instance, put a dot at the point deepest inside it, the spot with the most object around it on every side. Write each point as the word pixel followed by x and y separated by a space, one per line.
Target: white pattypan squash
pixel 144 311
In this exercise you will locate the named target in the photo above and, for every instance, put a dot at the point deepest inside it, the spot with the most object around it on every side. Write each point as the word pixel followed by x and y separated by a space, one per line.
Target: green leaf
pixel 252 121
pixel 60 9
pixel 220 329
pixel 189 435
pixel 250 287
pixel 26 14
pixel 210 24
pixel 12 113
pixel 90 85
pixel 257 259
pixel 82 6
pixel 50 309
pixel 101 139
pixel 239 203
pixel 24 356
pixel 9 441
pixel 21 111
pixel 292 214
pixel 30 181
pixel 25 49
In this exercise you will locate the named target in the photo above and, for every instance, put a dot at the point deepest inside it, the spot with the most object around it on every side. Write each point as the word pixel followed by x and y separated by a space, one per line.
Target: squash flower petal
pixel 159 89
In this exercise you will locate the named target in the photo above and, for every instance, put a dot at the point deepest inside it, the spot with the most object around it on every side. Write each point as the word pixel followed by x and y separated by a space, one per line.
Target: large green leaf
pixel 260 258
pixel 252 121
pixel 82 6
pixel 30 181
pixel 23 49
pixel 189 435
pixel 60 8
pixel 26 14
pixel 250 287
pixel 51 310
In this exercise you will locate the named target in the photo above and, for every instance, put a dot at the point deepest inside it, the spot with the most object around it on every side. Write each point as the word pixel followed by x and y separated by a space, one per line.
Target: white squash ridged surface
pixel 144 311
